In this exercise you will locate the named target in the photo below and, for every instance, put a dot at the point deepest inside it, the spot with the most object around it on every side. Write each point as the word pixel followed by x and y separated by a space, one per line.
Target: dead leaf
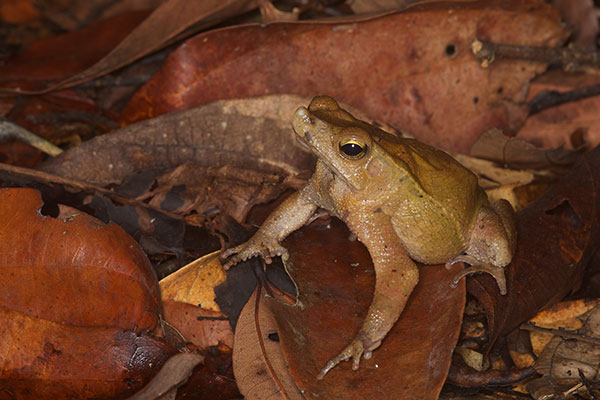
pixel 42 359
pixel 40 252
pixel 162 27
pixel 557 236
pixel 238 133
pixel 336 291
pixel 173 373
pixel 74 290
pixel 258 363
pixel 202 327
pixel 195 282
pixel 379 6
pixel 46 59
pixel 518 153
pixel 412 69
pixel 562 316
pixel 558 126
pixel 564 364
pixel 18 12
pixel 76 14
pixel 580 17
pixel 196 191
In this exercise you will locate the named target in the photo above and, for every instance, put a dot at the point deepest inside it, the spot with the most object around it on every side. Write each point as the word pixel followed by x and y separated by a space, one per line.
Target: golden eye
pixel 353 149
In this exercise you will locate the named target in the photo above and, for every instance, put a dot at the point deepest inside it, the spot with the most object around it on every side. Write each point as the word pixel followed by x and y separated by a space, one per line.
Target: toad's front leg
pixel 294 212
pixel 396 275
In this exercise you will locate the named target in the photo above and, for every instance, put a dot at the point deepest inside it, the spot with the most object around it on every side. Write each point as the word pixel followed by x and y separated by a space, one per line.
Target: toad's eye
pixel 353 149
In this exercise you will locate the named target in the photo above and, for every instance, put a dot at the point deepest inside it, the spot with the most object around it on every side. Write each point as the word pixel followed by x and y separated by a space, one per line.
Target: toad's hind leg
pixel 491 245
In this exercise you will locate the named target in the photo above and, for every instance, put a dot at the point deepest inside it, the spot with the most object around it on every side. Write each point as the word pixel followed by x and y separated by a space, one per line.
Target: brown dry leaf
pixel 498 183
pixel 173 374
pixel 336 291
pixel 557 236
pixel 42 359
pixel 75 14
pixel 194 284
pixel 196 191
pixel 260 368
pixel 68 253
pixel 412 69
pixel 564 361
pixel 202 327
pixel 169 22
pixel 74 290
pixel 189 302
pixel 46 59
pixel 581 17
pixel 244 134
pixel 561 125
pixel 518 153
pixel 565 315
pixel 18 11
pixel 379 6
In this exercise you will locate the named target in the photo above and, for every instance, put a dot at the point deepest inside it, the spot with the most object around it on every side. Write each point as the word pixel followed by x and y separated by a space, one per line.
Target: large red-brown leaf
pixel 567 124
pixel 557 236
pixel 413 69
pixel 336 280
pixel 77 302
pixel 49 360
pixel 72 269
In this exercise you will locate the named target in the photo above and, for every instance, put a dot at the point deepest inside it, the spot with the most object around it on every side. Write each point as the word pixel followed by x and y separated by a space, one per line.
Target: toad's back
pixel 436 202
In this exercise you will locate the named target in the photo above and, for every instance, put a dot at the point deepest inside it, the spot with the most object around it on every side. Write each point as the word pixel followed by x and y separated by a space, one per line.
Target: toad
pixel 404 200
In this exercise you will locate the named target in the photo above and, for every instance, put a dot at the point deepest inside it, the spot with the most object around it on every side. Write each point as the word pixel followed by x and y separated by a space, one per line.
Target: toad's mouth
pixel 304 142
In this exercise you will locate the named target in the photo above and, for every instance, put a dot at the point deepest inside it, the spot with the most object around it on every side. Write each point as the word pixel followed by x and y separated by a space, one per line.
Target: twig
pixel 568 57
pixel 547 99
pixel 587 384
pixel 562 332
pixel 11 131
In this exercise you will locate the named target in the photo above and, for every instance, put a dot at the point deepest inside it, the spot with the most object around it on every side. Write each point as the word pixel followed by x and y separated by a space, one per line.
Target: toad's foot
pixel 360 346
pixel 258 245
pixel 476 266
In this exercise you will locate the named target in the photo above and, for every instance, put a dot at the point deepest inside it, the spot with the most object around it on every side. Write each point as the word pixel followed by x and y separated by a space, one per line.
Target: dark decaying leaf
pixel 191 188
pixel 65 118
pixel 78 301
pixel 45 59
pixel 557 235
pixel 174 372
pixel 518 153
pixel 336 280
pixel 76 14
pixel 169 22
pixel 233 294
pixel 222 158
pixel 413 69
